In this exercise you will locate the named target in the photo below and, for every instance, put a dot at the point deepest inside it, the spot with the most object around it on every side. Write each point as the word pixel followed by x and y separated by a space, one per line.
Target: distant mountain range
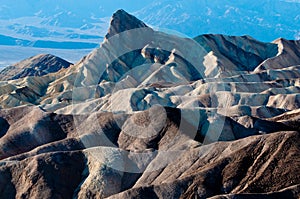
pixel 265 20
pixel 48 23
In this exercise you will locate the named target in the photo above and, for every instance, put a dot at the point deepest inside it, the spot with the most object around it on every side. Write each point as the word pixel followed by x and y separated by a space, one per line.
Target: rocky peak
pixel 38 65
pixel 122 21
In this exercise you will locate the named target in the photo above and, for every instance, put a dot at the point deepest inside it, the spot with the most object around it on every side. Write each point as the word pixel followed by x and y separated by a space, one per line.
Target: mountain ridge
pixel 34 66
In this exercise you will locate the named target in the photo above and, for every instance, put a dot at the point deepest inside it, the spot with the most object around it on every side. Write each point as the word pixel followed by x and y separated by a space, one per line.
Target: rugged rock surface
pixel 52 151
pixel 39 65
pixel 122 21
pixel 152 115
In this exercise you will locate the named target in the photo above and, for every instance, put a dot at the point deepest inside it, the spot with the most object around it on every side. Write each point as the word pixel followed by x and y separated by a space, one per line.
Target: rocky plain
pixel 154 115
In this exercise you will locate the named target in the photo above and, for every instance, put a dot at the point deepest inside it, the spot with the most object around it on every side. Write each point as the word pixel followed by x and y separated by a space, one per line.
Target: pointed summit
pixel 122 21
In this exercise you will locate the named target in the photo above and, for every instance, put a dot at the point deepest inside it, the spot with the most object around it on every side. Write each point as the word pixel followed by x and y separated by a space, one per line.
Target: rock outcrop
pixel 122 21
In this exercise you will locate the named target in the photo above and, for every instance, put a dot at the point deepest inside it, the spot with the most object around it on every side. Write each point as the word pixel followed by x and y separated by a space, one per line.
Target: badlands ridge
pixel 154 115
